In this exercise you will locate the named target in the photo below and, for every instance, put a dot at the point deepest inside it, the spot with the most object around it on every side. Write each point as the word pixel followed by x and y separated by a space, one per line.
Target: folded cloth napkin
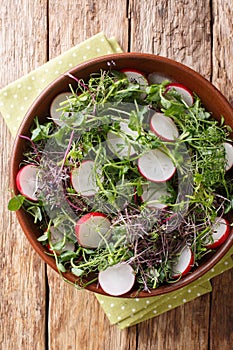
pixel 16 98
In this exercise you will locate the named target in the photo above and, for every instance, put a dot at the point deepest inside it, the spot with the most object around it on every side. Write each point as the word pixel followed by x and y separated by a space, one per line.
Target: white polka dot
pixel 29 87
pixel 98 50
pixel 118 49
pixel 84 57
pixel 133 310
pixel 111 305
pixel 22 108
pixel 109 314
pixel 148 301
pixel 15 128
pixel 5 93
pixel 18 119
pixel 42 80
pixel 19 86
pixel 88 47
pixel 221 271
pixel 184 300
pixel 101 302
pixel 39 90
pixel 25 98
pixel 109 52
pixel 1 104
pixel 15 95
pixel 174 297
pixel 137 299
pixel 70 64
pixel 74 54
pixel 189 291
pixel 226 263
pixel 60 62
pixel 123 307
pixel 198 294
pixel 155 311
pixel 56 72
pixel 7 116
pixel 11 106
pixel 212 270
pixel 102 39
pixel 46 70
pixel 119 318
pixel 33 78
pixel 169 306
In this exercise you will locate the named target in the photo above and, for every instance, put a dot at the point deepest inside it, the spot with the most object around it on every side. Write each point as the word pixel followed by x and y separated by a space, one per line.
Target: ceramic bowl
pixel 212 99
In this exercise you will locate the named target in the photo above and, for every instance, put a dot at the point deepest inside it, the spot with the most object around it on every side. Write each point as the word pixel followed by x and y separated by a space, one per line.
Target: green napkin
pixel 16 98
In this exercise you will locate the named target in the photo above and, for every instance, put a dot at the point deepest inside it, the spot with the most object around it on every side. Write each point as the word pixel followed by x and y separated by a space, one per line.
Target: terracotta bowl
pixel 212 99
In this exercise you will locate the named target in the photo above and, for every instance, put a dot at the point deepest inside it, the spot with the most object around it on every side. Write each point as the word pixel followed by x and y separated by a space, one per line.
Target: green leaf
pixel 16 202
pixel 43 238
pixel 76 271
pixel 61 267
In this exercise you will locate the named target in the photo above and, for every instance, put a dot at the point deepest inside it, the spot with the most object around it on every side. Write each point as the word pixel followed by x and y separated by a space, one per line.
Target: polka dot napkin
pixel 16 98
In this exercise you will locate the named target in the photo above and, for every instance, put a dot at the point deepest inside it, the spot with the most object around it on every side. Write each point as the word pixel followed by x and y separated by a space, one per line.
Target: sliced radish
pixel 164 127
pixel 184 263
pixel 91 228
pixel 156 78
pixel 156 166
pixel 56 236
pixel 83 178
pixel 135 76
pixel 27 181
pixel 152 194
pixel 185 93
pixel 228 154
pixel 221 231
pixel 117 279
pixel 119 144
pixel 55 105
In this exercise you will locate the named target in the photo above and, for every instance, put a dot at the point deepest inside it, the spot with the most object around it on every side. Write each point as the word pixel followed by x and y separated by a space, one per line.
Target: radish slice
pixel 221 231
pixel 56 236
pixel 117 279
pixel 119 144
pixel 184 263
pixel 164 127
pixel 228 154
pixel 185 93
pixel 156 78
pixel 55 105
pixel 135 76
pixel 152 194
pixel 83 178
pixel 156 166
pixel 27 181
pixel 91 228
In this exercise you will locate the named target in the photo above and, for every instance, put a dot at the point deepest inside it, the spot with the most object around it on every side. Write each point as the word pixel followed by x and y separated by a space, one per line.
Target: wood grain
pixel 30 32
pixel 23 47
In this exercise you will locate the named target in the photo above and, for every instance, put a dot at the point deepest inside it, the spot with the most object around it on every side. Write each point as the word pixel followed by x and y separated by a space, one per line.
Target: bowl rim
pixel 163 289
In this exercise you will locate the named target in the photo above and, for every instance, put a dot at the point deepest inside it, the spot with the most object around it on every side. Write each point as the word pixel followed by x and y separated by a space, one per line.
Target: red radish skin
pixel 135 75
pixel 27 181
pixel 117 279
pixel 117 143
pixel 164 127
pixel 55 105
pixel 221 231
pixel 56 236
pixel 184 263
pixel 229 155
pixel 83 179
pixel 156 166
pixel 90 229
pixel 186 94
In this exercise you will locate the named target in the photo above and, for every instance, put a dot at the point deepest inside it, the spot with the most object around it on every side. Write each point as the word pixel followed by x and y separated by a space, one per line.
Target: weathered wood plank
pixel 221 320
pixel 23 47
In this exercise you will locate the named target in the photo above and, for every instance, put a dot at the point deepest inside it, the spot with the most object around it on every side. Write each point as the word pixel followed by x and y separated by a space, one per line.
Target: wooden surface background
pixel 39 311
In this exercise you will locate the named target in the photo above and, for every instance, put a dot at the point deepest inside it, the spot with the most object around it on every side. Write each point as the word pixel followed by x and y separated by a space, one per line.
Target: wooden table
pixel 39 311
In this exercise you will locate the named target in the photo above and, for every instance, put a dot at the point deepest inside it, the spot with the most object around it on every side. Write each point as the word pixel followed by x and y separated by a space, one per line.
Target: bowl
pixel 211 98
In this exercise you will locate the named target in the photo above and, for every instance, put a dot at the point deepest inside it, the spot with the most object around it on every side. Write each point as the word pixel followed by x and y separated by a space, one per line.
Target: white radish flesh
pixel 83 178
pixel 117 279
pixel 220 232
pixel 57 236
pixel 27 181
pixel 164 127
pixel 156 166
pixel 152 194
pixel 184 263
pixel 119 144
pixel 55 105
pixel 135 76
pixel 228 154
pixel 91 228
pixel 185 93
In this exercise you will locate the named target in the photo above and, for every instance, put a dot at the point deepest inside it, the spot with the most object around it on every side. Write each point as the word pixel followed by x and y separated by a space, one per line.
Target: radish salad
pixel 129 180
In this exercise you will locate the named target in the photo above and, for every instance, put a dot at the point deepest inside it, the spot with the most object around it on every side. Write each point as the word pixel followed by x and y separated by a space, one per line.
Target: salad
pixel 128 179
